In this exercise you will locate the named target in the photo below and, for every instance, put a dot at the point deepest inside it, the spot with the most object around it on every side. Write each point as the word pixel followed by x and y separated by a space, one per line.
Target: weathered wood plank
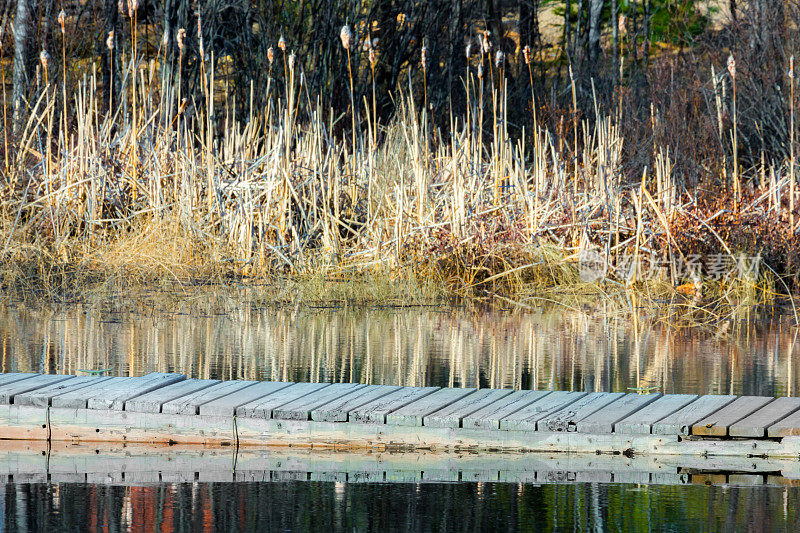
pixel 603 420
pixel 642 420
pixel 42 397
pixel 756 424
pixel 112 393
pixel 337 410
pixel 301 408
pixel 567 418
pixel 8 391
pixel 190 404
pixel 114 398
pixel 452 415
pixel 717 424
pixel 263 407
pixel 681 421
pixel 414 413
pixel 227 405
pixel 11 377
pixel 489 417
pixel 785 427
pixel 151 402
pixel 375 411
pixel 526 418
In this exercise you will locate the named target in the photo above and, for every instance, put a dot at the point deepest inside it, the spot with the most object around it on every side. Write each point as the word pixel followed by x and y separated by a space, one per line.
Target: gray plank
pixel 263 407
pixel 452 415
pixel 567 418
pixel 375 411
pixel 228 405
pixel 301 408
pixel 190 404
pixel 8 391
pixel 112 393
pixel 716 424
pixel 756 424
pixel 489 417
pixel 642 420
pixel 337 410
pixel 42 397
pixel 152 401
pixel 785 427
pixel 414 413
pixel 603 420
pixel 11 377
pixel 526 418
pixel 681 422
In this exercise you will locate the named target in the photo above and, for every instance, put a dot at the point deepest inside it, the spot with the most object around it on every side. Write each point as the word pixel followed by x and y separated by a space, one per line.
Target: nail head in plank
pixel 8 391
pixel 603 421
pixel 414 413
pixel 227 405
pixel 151 402
pixel 375 411
pixel 785 427
pixel 489 417
pixel 263 407
pixel 301 408
pixel 717 424
pixel 567 418
pixel 11 377
pixel 681 421
pixel 190 405
pixel 337 410
pixel 452 415
pixel 756 424
pixel 642 420
pixel 43 397
pixel 526 418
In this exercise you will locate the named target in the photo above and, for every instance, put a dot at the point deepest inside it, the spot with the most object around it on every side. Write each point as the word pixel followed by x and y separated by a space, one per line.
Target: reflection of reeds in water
pixel 419 346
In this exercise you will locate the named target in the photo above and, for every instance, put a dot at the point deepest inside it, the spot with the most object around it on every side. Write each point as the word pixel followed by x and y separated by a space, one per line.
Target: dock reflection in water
pixel 334 506
pixel 561 348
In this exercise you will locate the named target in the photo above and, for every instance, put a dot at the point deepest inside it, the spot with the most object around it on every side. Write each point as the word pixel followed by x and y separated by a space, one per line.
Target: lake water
pixel 562 348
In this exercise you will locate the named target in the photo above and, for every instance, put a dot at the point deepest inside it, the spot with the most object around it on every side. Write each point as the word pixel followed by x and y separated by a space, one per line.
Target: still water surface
pixel 560 348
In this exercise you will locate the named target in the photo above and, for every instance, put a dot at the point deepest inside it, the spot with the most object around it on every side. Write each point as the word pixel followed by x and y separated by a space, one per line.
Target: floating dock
pixel 171 409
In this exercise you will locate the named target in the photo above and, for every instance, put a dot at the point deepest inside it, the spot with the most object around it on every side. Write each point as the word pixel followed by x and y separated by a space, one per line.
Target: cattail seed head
pixel 121 6
pixel 165 38
pixel 44 58
pixel 424 56
pixel 791 67
pixel 468 51
pixel 480 70
pixel 372 58
pixel 181 38
pixel 199 26
pixel 346 36
pixel 110 40
pixel 282 44
pixel 623 21
pixel 498 58
pixel 526 52
pixel 133 6
pixel 62 18
pixel 291 60
pixel 486 44
pixel 732 66
pixel 270 55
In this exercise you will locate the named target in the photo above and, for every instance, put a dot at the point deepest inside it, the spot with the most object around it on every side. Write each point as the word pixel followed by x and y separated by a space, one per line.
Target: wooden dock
pixel 168 408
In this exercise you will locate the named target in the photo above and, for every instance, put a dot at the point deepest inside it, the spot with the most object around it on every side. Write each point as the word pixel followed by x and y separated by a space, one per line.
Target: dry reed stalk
pixel 791 144
pixel 734 133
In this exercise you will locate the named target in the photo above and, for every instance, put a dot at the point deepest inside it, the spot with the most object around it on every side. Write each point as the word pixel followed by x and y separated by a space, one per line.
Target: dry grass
pixel 167 193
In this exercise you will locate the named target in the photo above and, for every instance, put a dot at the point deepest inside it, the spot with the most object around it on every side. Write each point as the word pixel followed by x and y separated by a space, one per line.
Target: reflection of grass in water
pixel 240 334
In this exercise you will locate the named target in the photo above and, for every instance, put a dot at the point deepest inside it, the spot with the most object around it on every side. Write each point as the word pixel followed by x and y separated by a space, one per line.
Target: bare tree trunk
pixel 22 53
pixel 568 29
pixel 595 12
pixel 732 5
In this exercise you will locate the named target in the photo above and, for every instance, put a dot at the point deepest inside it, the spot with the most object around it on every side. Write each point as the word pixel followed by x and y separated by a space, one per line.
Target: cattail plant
pixel 736 186
pixel 373 60
pixel 5 106
pixel 44 59
pixel 346 37
pixel 180 37
pixel 791 143
pixel 424 62
pixel 110 46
